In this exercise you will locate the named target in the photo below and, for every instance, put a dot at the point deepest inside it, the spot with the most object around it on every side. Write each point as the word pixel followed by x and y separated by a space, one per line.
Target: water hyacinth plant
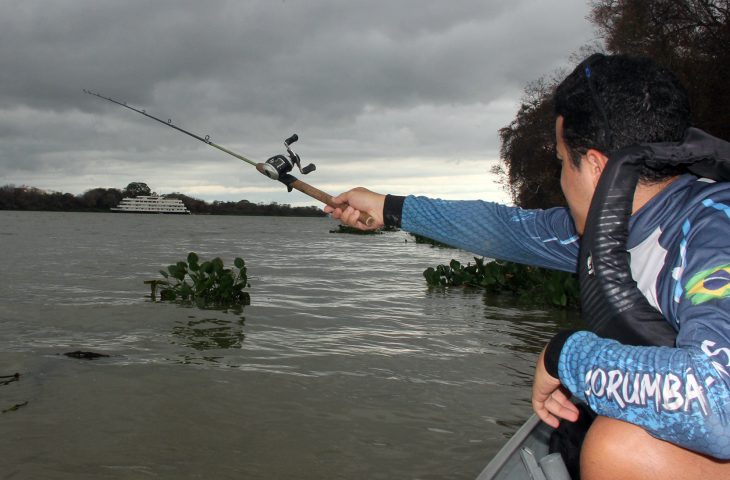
pixel 356 231
pixel 429 241
pixel 206 284
pixel 534 285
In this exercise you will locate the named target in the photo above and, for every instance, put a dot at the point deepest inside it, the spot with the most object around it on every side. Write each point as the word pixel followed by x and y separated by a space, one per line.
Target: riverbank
pixel 104 199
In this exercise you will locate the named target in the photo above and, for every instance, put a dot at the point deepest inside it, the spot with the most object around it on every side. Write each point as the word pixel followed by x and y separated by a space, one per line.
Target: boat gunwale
pixel 507 451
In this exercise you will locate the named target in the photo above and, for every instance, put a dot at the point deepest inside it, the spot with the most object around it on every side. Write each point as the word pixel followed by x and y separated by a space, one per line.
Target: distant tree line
pixel 102 199
pixel 691 37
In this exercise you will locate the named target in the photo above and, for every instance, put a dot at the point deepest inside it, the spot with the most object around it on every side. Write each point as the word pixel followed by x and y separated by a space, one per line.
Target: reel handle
pixel 291 139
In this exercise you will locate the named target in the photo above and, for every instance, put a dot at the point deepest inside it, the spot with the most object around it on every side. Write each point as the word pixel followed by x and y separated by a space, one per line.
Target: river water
pixel 346 365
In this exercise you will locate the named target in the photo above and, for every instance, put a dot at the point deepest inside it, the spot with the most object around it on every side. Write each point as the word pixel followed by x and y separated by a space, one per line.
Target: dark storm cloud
pixel 377 78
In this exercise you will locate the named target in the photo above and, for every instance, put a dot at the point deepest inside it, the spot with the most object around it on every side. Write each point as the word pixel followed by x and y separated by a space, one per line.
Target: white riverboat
pixel 151 204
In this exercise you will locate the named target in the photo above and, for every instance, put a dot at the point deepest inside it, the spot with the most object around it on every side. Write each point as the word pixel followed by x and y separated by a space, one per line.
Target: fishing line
pixel 276 167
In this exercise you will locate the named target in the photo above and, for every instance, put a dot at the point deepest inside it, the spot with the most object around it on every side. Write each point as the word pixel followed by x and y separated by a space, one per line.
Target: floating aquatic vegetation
pixel 14 407
pixel 429 241
pixel 85 355
pixel 530 284
pixel 206 284
pixel 7 380
pixel 355 231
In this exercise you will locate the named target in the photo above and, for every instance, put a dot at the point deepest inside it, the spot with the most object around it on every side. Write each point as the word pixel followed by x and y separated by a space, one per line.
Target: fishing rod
pixel 276 167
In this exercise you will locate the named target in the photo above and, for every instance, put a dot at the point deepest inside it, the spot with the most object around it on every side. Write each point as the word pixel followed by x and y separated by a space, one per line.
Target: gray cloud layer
pixel 404 94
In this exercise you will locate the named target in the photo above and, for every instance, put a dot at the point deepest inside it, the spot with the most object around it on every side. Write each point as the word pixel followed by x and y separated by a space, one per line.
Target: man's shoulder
pixel 685 199
pixel 706 203
pixel 696 235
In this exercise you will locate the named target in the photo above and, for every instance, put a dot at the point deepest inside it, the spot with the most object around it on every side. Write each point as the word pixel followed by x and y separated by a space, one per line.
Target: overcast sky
pixel 398 96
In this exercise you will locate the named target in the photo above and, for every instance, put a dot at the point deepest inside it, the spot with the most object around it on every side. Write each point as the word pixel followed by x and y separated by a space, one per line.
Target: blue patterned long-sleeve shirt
pixel 680 258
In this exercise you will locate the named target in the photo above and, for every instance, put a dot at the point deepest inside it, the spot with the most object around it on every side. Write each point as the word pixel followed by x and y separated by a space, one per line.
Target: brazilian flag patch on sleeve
pixel 709 284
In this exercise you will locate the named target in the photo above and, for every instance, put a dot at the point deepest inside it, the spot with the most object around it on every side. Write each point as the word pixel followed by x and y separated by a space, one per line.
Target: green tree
pixel 691 37
pixel 529 167
pixel 136 189
pixel 101 199
pixel 193 204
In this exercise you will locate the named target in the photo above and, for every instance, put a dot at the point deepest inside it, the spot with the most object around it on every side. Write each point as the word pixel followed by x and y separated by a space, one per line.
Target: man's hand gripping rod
pixel 276 167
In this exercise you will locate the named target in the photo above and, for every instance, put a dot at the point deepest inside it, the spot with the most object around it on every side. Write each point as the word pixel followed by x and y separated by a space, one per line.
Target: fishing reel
pixel 279 166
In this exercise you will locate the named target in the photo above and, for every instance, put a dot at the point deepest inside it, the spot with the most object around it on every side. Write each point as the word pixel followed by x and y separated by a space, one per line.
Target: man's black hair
pixel 614 101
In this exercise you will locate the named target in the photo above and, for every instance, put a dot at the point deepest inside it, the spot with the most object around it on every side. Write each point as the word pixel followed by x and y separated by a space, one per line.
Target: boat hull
pixel 117 210
pixel 526 456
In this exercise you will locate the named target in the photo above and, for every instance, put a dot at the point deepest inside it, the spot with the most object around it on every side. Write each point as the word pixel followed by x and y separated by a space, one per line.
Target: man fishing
pixel 648 229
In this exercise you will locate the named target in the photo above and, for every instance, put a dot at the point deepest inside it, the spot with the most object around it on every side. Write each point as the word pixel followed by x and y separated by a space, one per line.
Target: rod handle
pixel 326 198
